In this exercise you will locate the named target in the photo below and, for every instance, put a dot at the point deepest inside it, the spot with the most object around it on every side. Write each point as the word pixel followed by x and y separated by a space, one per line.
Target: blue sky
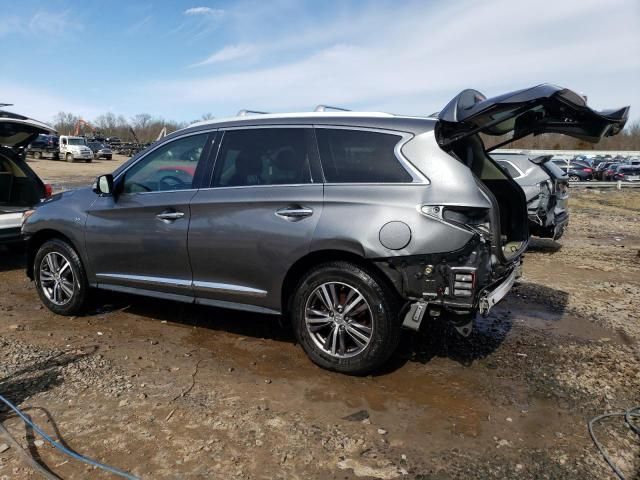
pixel 180 59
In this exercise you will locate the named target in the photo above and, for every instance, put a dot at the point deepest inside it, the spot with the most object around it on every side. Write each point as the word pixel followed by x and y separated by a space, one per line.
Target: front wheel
pixel 345 318
pixel 60 278
pixel 37 155
pixel 69 157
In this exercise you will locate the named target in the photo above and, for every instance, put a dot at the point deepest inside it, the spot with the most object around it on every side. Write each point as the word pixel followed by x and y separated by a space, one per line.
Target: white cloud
pixel 414 58
pixel 228 53
pixel 206 11
pixel 52 23
pixel 42 105
pixel 138 26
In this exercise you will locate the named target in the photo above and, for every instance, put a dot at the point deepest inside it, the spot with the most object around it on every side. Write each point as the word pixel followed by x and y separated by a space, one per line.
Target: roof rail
pixel 244 113
pixel 324 108
pixel 6 104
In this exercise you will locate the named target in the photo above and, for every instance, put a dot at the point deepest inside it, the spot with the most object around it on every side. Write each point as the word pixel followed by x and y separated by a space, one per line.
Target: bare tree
pixel 64 122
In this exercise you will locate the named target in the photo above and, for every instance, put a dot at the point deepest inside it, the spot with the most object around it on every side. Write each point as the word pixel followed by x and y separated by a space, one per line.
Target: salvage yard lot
pixel 169 390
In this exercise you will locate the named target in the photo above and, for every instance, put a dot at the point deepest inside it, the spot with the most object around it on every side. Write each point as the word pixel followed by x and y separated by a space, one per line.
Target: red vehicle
pixel 610 171
pixel 627 173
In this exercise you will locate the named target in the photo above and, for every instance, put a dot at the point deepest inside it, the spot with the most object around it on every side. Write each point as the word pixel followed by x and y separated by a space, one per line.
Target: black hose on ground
pixel 58 446
pixel 628 415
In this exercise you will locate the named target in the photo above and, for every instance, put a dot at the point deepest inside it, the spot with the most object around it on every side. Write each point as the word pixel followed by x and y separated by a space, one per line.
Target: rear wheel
pixel 574 178
pixel 37 155
pixel 60 278
pixel 345 318
pixel 69 157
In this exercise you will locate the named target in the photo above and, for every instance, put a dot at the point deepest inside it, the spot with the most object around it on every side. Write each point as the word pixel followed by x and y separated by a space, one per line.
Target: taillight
pixel 48 190
pixel 587 170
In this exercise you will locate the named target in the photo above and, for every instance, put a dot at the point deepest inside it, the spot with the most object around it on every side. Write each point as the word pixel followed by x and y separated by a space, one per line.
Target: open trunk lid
pixel 18 131
pixel 541 109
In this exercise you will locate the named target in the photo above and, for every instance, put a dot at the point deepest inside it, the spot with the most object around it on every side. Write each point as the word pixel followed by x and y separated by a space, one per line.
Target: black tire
pixel 108 157
pixel 69 157
pixel 574 178
pixel 76 302
pixel 37 155
pixel 383 314
pixel 88 160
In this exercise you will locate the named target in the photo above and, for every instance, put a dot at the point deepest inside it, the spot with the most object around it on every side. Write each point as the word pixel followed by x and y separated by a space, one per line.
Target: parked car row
pixel 291 214
pixel 67 147
pixel 602 167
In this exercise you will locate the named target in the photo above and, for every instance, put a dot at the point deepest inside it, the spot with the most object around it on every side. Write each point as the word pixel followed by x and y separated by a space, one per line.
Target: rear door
pixel 541 109
pixel 257 218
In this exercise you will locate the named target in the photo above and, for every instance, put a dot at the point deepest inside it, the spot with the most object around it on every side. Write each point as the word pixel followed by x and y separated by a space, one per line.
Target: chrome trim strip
pixel 146 279
pixel 230 288
pixel 215 286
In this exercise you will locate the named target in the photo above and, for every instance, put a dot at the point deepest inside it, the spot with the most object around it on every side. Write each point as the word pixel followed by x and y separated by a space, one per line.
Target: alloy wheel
pixel 339 319
pixel 57 280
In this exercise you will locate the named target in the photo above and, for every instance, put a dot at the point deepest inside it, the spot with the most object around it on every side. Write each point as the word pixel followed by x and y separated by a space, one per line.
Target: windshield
pixel 77 141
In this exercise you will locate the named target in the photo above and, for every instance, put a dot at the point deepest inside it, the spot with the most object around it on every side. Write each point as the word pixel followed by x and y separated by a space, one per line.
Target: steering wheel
pixel 171 182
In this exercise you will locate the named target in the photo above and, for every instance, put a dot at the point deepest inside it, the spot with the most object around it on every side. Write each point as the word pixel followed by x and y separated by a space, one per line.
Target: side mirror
pixel 104 185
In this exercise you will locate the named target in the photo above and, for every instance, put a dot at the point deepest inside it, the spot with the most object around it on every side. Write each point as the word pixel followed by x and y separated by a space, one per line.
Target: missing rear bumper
pixel 489 298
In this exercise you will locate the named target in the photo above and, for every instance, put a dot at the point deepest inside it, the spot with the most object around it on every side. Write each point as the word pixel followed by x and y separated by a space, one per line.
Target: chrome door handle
pixel 169 216
pixel 294 213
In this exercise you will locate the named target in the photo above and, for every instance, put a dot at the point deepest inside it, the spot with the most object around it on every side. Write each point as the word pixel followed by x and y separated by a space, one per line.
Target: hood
pixel 18 131
pixel 541 109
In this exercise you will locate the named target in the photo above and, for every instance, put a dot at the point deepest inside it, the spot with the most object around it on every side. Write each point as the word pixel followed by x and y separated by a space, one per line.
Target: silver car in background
pixel 546 187
pixel 352 225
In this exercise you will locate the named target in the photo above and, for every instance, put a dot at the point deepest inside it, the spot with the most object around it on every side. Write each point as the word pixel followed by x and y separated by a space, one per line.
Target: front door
pixel 257 218
pixel 138 237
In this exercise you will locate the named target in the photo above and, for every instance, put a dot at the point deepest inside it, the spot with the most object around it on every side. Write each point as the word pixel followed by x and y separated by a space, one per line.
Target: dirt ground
pixel 170 391
pixel 63 175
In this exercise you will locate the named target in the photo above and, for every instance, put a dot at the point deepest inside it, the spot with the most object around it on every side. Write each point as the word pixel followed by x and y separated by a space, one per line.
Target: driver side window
pixel 169 168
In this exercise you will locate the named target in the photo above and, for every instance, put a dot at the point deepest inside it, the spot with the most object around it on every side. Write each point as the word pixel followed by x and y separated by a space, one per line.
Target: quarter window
pixel 358 156
pixel 511 170
pixel 168 168
pixel 263 156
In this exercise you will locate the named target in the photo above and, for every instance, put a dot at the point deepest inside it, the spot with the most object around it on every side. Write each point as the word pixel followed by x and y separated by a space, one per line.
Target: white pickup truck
pixel 74 148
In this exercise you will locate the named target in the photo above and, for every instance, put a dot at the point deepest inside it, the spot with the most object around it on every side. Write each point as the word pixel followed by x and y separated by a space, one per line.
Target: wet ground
pixel 170 391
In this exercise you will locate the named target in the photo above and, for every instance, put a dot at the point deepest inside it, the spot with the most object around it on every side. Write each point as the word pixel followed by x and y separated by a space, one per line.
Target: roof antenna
pixel 324 108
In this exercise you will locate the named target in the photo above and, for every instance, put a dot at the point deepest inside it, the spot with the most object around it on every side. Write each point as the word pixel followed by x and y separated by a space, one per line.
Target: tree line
pixel 145 126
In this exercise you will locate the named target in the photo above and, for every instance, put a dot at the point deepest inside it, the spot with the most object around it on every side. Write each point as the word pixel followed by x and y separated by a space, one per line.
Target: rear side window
pixel 262 156
pixel 357 156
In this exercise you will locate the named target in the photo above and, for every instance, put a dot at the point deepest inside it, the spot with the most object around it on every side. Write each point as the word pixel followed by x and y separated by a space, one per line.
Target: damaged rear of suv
pixel 352 224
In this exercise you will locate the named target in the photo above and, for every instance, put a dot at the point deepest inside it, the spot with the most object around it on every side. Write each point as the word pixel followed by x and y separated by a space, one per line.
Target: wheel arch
pixel 38 239
pixel 304 264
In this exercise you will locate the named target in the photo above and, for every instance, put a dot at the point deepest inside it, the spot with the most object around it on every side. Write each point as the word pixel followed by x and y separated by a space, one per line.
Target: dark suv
pixel 44 146
pixel 351 224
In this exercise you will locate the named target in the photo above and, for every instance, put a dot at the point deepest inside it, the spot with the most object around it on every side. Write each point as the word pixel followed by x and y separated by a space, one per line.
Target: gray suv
pixel 351 224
